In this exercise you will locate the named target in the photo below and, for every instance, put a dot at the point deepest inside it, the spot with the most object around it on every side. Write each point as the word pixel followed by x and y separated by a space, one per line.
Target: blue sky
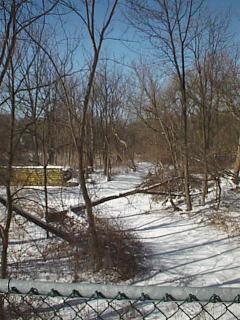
pixel 132 49
pixel 232 5
pixel 128 45
pixel 223 4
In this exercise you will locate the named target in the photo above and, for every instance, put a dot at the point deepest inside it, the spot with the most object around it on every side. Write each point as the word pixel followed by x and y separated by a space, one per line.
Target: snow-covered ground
pixel 181 249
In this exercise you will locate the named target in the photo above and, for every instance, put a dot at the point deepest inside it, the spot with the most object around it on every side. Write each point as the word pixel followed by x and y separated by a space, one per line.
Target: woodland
pixel 68 100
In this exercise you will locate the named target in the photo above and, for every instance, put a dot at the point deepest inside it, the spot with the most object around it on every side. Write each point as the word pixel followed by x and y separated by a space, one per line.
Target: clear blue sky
pixel 133 48
pixel 220 7
pixel 223 4
pixel 127 43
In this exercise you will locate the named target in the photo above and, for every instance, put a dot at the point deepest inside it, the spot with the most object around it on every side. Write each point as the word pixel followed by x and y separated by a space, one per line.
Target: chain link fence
pixel 27 300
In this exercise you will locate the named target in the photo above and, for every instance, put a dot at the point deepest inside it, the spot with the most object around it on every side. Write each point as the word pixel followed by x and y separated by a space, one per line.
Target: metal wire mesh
pixel 54 306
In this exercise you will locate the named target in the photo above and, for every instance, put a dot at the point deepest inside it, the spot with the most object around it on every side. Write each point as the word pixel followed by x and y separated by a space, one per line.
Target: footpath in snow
pixel 180 249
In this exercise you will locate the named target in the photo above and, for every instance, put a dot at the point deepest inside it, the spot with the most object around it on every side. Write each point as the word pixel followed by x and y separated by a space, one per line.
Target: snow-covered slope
pixel 181 249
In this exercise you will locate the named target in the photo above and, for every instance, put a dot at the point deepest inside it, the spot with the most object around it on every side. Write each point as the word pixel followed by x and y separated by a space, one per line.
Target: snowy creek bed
pixel 180 249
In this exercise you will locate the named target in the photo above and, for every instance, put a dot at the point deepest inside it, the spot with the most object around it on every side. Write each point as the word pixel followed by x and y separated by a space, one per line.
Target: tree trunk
pixel 90 146
pixel 46 194
pixel 107 159
pixel 236 167
pixel 147 189
pixel 205 155
pixel 35 144
pixel 4 256
pixel 80 143
pixel 5 240
pixel 185 152
pixel 94 244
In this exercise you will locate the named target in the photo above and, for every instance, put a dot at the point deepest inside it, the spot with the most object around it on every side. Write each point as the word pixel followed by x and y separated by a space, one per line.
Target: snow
pixel 39 167
pixel 197 249
pixel 182 249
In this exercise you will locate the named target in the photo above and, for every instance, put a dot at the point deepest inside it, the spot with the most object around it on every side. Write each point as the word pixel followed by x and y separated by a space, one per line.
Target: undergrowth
pixel 121 253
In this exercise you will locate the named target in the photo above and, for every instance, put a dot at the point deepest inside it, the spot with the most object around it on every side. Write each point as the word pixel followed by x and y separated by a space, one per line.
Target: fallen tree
pixel 78 209
pixel 123 254
pixel 39 222
pixel 141 189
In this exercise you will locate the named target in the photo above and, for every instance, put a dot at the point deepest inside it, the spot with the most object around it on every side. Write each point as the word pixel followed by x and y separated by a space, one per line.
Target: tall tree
pixel 157 110
pixel 230 85
pixel 209 45
pixel 168 25
pixel 97 32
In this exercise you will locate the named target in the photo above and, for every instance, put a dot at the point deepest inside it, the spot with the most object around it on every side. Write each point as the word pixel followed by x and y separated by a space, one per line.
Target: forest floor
pixel 201 248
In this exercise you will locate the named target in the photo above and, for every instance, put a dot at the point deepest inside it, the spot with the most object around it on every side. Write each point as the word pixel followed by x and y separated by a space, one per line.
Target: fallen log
pixel 146 189
pixel 76 209
pixel 39 222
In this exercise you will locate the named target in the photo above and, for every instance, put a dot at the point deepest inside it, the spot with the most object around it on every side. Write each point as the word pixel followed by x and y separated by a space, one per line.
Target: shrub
pixel 121 253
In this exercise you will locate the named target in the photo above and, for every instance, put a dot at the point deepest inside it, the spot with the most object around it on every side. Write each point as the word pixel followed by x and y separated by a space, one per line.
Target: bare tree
pixel 168 26
pixel 210 42
pixel 109 101
pixel 229 87
pixel 16 20
pixel 156 111
pixel 87 15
